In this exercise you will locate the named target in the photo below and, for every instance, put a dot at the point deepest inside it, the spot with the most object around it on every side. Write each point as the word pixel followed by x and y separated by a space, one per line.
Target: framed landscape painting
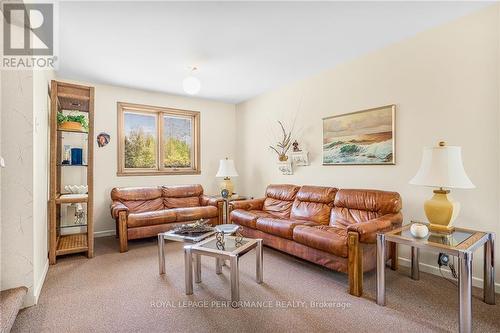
pixel 360 138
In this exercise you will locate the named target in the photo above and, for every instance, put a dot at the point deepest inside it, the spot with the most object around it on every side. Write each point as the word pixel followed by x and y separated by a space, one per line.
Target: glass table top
pixel 453 239
pixel 230 244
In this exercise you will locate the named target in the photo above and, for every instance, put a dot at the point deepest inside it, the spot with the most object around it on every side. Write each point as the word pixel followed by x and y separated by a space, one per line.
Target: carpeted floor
pixel 122 292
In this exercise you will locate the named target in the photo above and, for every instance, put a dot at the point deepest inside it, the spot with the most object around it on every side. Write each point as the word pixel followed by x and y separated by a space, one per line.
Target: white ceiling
pixel 242 49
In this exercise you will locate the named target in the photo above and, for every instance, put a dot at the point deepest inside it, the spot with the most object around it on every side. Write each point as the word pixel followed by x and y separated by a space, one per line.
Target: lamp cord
pixel 453 273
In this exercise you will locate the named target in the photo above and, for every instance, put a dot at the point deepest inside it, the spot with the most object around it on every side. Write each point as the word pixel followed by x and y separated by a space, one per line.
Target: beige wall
pixel 445 83
pixel 217 133
pixel 41 107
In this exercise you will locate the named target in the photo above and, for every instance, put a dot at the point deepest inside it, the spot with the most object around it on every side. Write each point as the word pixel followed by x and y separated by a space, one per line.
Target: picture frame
pixel 300 158
pixel 285 168
pixel 366 137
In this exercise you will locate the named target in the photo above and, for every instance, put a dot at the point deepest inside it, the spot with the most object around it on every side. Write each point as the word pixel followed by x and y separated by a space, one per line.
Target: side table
pixel 461 243
pixel 232 251
pixel 171 235
pixel 225 209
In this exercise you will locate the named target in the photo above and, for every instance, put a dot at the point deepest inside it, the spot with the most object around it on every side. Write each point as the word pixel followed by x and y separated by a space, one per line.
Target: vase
pixel 283 158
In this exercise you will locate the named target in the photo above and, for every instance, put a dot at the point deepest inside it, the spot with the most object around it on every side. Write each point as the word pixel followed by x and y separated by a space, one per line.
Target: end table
pixel 461 243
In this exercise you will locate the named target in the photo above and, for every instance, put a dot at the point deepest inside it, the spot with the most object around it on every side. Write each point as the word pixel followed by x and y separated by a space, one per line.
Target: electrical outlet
pixel 2 162
pixel 443 259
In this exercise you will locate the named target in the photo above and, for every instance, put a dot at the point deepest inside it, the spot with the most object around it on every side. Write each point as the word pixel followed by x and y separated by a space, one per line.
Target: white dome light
pixel 191 85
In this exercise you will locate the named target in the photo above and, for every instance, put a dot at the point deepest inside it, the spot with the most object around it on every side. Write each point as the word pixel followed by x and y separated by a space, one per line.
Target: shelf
pixel 73 226
pixel 72 131
pixel 73 165
pixel 72 244
pixel 72 198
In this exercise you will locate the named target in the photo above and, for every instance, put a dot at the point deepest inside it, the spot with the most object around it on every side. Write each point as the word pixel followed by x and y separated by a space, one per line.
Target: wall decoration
pixel 281 148
pixel 300 158
pixel 103 139
pixel 285 167
pixel 360 138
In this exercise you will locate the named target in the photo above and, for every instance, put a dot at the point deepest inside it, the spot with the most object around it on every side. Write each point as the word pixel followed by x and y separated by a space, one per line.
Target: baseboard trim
pixel 431 269
pixel 38 290
pixel 104 233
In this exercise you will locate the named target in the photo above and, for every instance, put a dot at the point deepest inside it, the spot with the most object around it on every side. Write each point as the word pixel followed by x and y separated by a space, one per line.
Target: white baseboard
pixel 32 297
pixel 105 233
pixel 431 269
pixel 38 289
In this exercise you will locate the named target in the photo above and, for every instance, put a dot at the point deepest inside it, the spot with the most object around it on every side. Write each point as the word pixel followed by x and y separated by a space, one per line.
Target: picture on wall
pixel 360 138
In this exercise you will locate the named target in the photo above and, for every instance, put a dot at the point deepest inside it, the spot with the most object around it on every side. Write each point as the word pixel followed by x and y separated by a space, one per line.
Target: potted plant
pixel 284 144
pixel 72 122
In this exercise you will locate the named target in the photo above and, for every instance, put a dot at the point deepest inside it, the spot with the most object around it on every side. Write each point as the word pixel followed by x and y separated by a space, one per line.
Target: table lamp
pixel 442 167
pixel 227 170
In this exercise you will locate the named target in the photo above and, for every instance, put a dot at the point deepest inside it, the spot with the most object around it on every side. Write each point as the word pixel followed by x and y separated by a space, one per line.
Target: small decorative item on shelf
pixel 67 155
pixel 103 139
pixel 79 214
pixel 419 230
pixel 284 144
pixel 295 145
pixel 285 168
pixel 197 227
pixel 72 122
pixel 76 189
pixel 76 156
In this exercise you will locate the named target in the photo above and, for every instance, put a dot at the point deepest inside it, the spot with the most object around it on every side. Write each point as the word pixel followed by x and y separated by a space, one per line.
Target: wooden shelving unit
pixel 66 97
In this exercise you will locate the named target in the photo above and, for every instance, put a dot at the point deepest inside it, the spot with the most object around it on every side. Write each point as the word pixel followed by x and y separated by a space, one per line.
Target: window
pixel 155 140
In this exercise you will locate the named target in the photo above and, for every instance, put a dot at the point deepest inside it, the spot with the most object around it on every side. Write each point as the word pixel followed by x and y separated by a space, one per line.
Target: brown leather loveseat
pixel 146 211
pixel 335 228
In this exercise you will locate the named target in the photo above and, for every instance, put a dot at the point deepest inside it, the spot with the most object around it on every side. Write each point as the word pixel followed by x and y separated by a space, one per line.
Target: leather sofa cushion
pixel 279 199
pixel 355 206
pixel 142 206
pixel 181 202
pixel 135 220
pixel 139 199
pixel 313 203
pixel 195 213
pixel 182 191
pixel 331 239
pixel 247 218
pixel 278 227
pixel 135 193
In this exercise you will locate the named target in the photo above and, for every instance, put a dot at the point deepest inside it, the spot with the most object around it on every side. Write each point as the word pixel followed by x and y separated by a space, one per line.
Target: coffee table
pixel 232 251
pixel 461 243
pixel 171 235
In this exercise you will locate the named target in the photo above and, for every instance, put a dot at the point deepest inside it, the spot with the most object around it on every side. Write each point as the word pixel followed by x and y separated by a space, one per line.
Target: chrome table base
pixel 194 254
pixel 464 275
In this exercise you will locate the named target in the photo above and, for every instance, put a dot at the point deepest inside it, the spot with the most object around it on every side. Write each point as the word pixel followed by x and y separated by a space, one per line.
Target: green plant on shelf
pixel 62 118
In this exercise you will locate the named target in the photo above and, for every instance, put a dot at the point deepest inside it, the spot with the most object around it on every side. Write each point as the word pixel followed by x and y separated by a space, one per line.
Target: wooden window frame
pixel 160 112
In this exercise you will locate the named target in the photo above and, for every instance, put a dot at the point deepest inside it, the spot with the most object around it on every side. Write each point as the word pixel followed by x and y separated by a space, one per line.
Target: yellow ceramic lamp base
pixel 441 211
pixel 227 184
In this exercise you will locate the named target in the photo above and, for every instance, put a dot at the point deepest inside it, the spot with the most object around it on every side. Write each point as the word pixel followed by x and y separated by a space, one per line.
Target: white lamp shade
pixel 442 167
pixel 226 169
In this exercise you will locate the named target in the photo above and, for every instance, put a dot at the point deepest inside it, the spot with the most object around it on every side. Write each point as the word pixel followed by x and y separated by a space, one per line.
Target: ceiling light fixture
pixel 191 84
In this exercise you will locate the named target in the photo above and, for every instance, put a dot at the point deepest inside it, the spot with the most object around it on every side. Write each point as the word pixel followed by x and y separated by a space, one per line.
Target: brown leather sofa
pixel 335 228
pixel 146 211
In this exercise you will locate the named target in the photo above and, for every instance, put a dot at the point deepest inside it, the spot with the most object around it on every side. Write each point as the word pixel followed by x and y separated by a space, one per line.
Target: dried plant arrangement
pixel 281 148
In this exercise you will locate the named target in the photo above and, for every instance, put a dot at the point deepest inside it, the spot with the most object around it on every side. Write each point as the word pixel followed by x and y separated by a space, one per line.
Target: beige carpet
pixel 122 292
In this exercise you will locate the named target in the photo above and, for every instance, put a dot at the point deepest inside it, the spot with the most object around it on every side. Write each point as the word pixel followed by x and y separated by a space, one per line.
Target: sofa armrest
pixel 250 204
pixel 368 230
pixel 116 208
pixel 205 200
